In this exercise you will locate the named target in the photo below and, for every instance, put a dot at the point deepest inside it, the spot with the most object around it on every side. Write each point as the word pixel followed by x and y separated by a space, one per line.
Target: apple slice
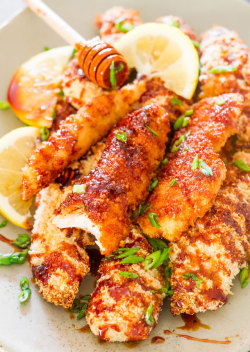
pixel 33 89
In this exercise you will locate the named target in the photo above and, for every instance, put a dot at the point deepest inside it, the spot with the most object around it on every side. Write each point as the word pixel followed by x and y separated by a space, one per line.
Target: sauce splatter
pixel 192 323
pixel 85 329
pixel 7 240
pixel 132 344
pixel 188 337
pixel 157 340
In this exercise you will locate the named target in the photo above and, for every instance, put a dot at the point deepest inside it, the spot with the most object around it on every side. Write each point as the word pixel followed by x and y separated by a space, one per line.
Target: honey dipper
pixel 100 61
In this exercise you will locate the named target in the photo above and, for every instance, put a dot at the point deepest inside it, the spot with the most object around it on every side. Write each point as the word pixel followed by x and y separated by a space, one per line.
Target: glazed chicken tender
pixel 185 190
pixel 118 306
pixel 121 179
pixel 221 49
pixel 58 258
pixel 214 250
pixel 75 136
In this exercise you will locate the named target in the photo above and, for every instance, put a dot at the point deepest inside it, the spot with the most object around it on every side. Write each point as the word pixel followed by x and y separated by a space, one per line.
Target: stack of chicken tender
pixel 88 187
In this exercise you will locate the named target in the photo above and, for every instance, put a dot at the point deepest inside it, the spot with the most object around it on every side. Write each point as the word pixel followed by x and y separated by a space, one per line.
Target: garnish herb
pixel 164 161
pixel 223 69
pixel 175 24
pixel 151 260
pixel 189 112
pixel 124 27
pixel 24 295
pixel 132 259
pixel 124 252
pixel 244 277
pixel 150 129
pixel 149 315
pixel 173 182
pixel 203 167
pixel 121 136
pixel 175 101
pixel 153 184
pixel 23 240
pixel 79 188
pixel 46 48
pixel 80 306
pixel 242 165
pixel 61 93
pixel 177 144
pixel 183 120
pixel 74 51
pixel 113 73
pixel 128 274
pixel 3 223
pixel 157 244
pixel 153 218
pixel 44 133
pixel 143 207
pixel 54 114
pixel 178 123
pixel 221 102
pixel 196 44
pixel 192 276
pixel 13 258
pixel 4 105
pixel 24 283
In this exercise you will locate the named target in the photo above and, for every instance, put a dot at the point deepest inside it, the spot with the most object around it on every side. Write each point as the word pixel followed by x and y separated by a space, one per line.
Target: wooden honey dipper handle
pixel 100 61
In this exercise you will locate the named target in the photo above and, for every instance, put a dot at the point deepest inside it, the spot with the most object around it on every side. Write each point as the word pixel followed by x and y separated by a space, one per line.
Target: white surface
pixel 39 326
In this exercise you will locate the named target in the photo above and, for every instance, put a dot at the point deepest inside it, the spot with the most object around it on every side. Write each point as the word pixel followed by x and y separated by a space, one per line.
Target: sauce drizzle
pixel 192 323
pixel 157 340
pixel 188 337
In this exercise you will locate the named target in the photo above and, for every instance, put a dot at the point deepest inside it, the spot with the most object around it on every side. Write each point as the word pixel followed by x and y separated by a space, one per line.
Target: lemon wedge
pixel 157 49
pixel 33 89
pixel 15 148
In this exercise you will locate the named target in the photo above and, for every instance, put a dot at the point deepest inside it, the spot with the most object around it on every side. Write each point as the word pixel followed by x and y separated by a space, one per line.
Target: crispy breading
pixel 58 258
pixel 178 205
pixel 177 21
pixel 222 47
pixel 107 22
pixel 118 305
pixel 75 136
pixel 121 179
pixel 77 88
pixel 215 249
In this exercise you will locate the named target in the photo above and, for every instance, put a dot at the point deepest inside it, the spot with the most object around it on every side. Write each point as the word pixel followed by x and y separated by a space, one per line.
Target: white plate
pixel 39 326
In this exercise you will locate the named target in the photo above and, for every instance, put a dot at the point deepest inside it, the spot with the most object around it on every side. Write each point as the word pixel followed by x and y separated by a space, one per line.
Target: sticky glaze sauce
pixel 157 340
pixel 192 323
pixel 188 337
pixel 7 241
pixel 85 329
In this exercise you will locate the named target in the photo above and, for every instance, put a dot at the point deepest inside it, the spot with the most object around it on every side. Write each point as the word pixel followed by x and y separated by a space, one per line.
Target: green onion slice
pixel 128 274
pixel 151 260
pixel 132 259
pixel 4 105
pixel 205 169
pixel 242 165
pixel 153 218
pixel 24 283
pixel 195 162
pixel 149 315
pixel 223 69
pixel 175 101
pixel 121 136
pixel 143 207
pixel 175 24
pixel 150 129
pixel 3 223
pixel 196 44
pixel 23 240
pixel 244 277
pixel 46 48
pixel 113 73
pixel 44 133
pixel 24 295
pixel 173 182
pixel 154 183
pixel 79 188
pixel 164 161
pixel 13 258
pixel 124 27
pixel 177 144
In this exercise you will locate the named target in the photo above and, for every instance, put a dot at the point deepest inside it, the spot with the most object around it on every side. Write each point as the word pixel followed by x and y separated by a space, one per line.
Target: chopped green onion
pixel 79 307
pixel 82 311
pixel 244 277
pixel 124 27
pixel 128 252
pixel 150 129
pixel 54 114
pixel 151 260
pixel 24 283
pixel 74 51
pixel 242 165
pixel 79 188
pixel 221 102
pixel 143 207
pixel 44 133
pixel 121 136
pixel 223 69
pixel 149 315
pixel 153 218
pixel 177 144
pixel 46 48
pixel 173 182
pixel 4 105
pixel 170 292
pixel 23 240
pixel 61 93
pixel 13 258
pixel 189 112
pixel 205 169
pixel 157 244
pixel 193 277
pixel 128 274
pixel 178 123
pixel 199 282
pixel 3 223
pixel 195 162
pixel 24 295
pixel 196 44
pixel 185 121
pixel 163 258
pixel 113 73
pixel 175 24
pixel 175 101
pixel 153 184
pixel 132 259
pixel 86 297
pixel 164 161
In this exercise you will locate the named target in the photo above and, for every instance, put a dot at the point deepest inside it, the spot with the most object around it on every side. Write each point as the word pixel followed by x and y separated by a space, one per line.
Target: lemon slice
pixel 33 89
pixel 15 148
pixel 156 49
